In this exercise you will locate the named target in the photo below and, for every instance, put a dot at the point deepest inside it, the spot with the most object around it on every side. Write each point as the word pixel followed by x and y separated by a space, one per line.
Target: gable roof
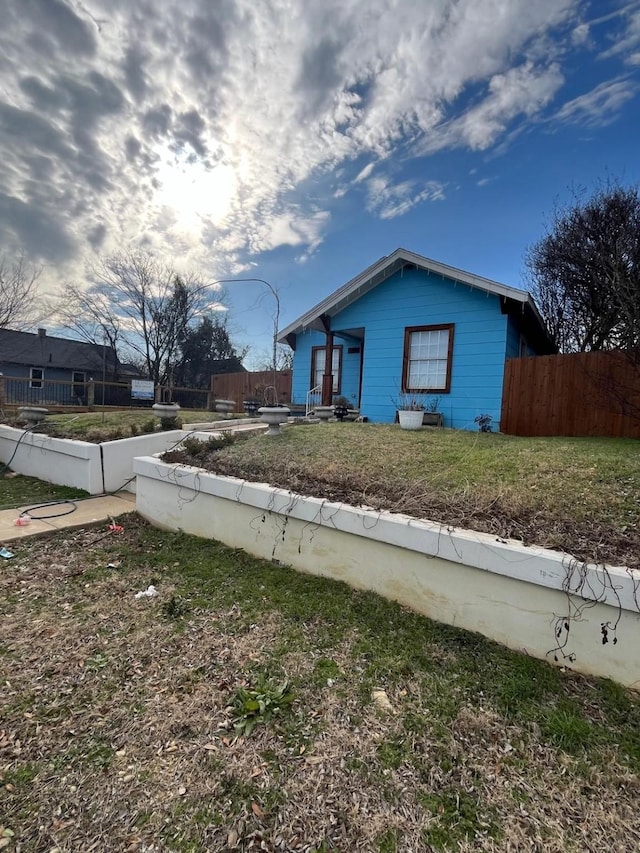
pixel 42 350
pixel 512 298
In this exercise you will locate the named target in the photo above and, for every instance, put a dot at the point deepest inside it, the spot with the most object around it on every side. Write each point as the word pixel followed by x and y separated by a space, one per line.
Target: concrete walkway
pixel 89 511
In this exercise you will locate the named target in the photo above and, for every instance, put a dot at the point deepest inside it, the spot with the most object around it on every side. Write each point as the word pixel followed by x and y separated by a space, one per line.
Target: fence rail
pixel 579 394
pixel 21 391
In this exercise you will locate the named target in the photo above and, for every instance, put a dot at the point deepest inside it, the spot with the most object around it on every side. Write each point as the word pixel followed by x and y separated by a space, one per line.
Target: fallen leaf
pixel 255 808
pixel 382 701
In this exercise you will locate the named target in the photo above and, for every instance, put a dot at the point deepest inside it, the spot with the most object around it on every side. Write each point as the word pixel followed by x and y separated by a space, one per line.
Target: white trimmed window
pixel 36 377
pixel 427 358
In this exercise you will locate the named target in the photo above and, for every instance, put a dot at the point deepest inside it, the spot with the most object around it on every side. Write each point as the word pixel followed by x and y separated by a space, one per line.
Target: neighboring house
pixel 413 325
pixel 39 368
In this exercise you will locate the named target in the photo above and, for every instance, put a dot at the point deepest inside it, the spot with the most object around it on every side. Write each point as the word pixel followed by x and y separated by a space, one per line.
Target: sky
pixel 298 141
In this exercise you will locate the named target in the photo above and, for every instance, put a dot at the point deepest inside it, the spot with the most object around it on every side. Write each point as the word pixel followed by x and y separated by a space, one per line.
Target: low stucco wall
pixel 118 455
pixel 54 460
pixel 516 595
pixel 96 468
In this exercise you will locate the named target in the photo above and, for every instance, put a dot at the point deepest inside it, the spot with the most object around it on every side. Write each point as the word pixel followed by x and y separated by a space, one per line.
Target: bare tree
pixel 586 271
pixel 18 292
pixel 140 305
pixel 91 315
pixel 586 281
pixel 263 359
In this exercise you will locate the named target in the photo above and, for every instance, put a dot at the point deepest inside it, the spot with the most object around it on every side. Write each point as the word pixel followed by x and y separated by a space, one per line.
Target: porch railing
pixel 314 398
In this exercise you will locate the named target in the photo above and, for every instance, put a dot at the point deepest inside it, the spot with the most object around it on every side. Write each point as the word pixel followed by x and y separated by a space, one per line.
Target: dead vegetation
pixel 119 716
pixel 576 495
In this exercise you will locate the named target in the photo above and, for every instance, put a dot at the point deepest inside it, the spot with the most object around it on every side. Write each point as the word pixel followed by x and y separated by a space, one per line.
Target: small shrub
pixel 341 401
pixel 196 448
pixel 175 608
pixel 170 423
pixel 408 403
pixel 134 429
pixel 260 704
pixel 148 426
pixel 484 422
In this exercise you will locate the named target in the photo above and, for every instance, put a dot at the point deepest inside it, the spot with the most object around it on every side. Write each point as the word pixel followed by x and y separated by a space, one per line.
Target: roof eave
pixel 388 265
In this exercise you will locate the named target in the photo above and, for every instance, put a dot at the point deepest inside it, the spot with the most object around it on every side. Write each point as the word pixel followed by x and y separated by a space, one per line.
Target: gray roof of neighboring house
pixel 42 350
pixel 390 264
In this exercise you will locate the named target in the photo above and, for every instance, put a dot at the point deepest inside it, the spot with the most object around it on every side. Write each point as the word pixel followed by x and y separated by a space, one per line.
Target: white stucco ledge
pixel 97 468
pixel 513 593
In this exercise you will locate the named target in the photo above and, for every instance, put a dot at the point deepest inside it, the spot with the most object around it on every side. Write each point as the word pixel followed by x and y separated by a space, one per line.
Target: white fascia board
pixel 340 298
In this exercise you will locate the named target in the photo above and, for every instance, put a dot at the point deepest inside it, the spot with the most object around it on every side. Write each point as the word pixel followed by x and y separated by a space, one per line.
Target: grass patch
pixel 578 494
pixel 16 490
pixel 96 426
pixel 457 817
pixel 134 703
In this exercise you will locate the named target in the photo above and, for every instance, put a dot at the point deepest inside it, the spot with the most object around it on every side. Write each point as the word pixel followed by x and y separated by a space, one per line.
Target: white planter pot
pixel 165 410
pixel 225 407
pixel 33 415
pixel 324 413
pixel 410 419
pixel 273 416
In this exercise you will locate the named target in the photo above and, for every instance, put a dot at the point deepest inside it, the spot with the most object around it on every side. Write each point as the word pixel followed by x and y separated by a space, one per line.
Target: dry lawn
pixel 577 495
pixel 117 715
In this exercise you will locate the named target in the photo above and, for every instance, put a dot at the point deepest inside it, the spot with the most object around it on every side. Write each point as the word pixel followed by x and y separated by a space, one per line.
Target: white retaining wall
pixel 96 468
pixel 54 460
pixel 517 595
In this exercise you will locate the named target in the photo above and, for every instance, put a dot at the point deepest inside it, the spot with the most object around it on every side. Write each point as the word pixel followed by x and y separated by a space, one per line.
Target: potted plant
pixel 410 411
pixel 273 416
pixel 225 407
pixel 168 415
pixel 340 408
pixel 484 422
pixel 251 406
pixel 432 417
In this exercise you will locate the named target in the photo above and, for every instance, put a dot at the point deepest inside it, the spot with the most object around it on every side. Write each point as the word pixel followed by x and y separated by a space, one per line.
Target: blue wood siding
pixel 57 374
pixel 413 298
pixel 350 374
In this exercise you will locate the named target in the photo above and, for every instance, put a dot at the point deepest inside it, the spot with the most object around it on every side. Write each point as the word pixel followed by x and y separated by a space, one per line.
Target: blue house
pixel 411 325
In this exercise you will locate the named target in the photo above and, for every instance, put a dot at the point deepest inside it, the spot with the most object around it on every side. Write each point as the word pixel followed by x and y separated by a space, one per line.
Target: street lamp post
pixel 276 320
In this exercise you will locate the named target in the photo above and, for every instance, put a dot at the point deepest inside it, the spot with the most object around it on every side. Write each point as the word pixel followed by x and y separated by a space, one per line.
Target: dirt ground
pixel 118 716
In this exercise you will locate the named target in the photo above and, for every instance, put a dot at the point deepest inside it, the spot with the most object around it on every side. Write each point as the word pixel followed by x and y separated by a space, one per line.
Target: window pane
pixel 428 356
pixel 319 361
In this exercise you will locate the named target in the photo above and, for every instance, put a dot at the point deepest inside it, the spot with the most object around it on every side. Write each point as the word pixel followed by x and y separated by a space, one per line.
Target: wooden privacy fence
pixel 257 383
pixel 580 394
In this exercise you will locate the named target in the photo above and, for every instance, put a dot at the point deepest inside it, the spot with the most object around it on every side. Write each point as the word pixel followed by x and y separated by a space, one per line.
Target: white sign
pixel 142 389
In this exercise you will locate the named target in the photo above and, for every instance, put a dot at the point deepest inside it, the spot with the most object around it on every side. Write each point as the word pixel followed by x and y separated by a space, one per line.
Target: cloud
pixel 627 43
pixel 389 200
pixel 600 106
pixel 521 91
pixel 364 173
pixel 214 132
